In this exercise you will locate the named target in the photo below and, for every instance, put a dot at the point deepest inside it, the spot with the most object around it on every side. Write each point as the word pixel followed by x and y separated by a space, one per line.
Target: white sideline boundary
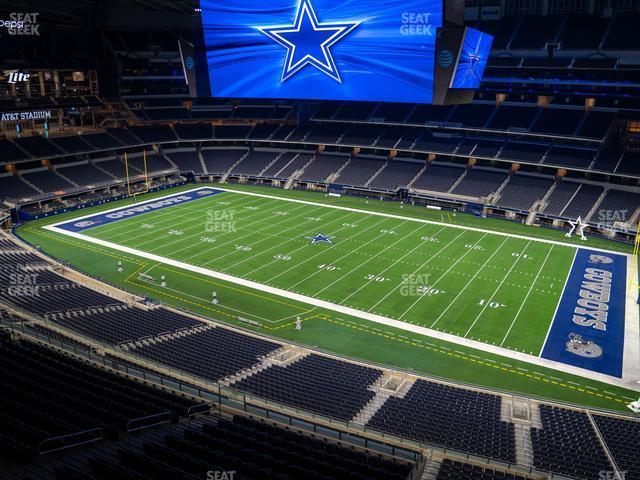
pixel 631 370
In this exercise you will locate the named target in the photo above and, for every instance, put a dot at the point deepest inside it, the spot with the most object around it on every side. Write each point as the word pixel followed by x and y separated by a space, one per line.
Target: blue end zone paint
pixel 597 318
pixel 80 225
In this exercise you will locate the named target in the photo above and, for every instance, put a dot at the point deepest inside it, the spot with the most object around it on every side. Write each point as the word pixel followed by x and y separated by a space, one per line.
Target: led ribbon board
pixel 322 49
pixel 472 59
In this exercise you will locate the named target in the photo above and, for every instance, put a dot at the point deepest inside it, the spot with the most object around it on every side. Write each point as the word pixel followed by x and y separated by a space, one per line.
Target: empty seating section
pixel 618 36
pixel 211 354
pixel 582 202
pixel 44 394
pixel 570 157
pixel 535 31
pixel 480 183
pixel 282 161
pixel 607 160
pixel 396 174
pixel 362 135
pixel 38 146
pixel 250 449
pixel 438 178
pixel 121 323
pixel 220 161
pixel 298 162
pixel 19 259
pixel 9 151
pixel 616 206
pixel 326 133
pixel 263 131
pixel 154 163
pixel 102 140
pixel 57 298
pixel 567 444
pixel 47 181
pixel 454 470
pixel 124 136
pixel 187 161
pixel 232 131
pixel 323 166
pixel 84 174
pixel 392 112
pixel 13 187
pixel 557 121
pixel 254 163
pixel 522 191
pixel 71 144
pixel 523 152
pixel 472 115
pixel 390 137
pixel 193 132
pixel 425 414
pixel 583 32
pixel 283 132
pixel 437 144
pixel 154 134
pixel 423 114
pixel 116 168
pixel 596 124
pixel 630 163
pixel 511 117
pixel 487 148
pixel 355 111
pixel 560 197
pixel 316 383
pixel 359 171
pixel 622 437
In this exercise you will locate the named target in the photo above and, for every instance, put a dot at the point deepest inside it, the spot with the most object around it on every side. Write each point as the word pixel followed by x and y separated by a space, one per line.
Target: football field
pixel 444 293
pixel 497 289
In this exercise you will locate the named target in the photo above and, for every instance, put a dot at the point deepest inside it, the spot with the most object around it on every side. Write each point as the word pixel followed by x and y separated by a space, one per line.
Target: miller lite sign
pixel 16 76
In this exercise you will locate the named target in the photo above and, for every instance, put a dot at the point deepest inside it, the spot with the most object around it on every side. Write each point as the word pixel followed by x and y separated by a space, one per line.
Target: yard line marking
pixel 433 222
pixel 164 216
pixel 415 271
pixel 234 238
pixel 321 252
pixel 181 238
pixel 349 254
pixel 566 280
pixel 394 263
pixel 299 248
pixel 527 297
pixel 268 226
pixel 278 245
pixel 404 237
pixel 498 289
pixel 463 289
pixel 469 250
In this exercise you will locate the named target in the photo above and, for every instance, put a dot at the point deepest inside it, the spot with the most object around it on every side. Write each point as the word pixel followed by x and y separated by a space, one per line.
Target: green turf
pixel 496 289
pixel 527 284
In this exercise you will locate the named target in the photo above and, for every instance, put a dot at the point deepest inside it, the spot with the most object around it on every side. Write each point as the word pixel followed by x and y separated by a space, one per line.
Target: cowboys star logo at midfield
pixel 309 42
pixel 320 238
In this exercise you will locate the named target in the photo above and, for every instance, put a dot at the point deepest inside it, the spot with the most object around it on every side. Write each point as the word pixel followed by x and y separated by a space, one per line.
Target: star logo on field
pixel 309 42
pixel 320 238
pixel 578 225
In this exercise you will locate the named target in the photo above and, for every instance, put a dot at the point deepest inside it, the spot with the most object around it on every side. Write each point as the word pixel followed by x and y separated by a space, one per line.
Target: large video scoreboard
pixel 358 50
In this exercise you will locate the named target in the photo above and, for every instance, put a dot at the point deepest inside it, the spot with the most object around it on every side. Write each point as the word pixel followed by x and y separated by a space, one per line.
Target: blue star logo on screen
pixel 320 238
pixel 474 59
pixel 309 42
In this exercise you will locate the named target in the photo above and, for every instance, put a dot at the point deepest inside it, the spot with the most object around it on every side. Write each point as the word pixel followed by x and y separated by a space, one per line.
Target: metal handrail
pixel 93 439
